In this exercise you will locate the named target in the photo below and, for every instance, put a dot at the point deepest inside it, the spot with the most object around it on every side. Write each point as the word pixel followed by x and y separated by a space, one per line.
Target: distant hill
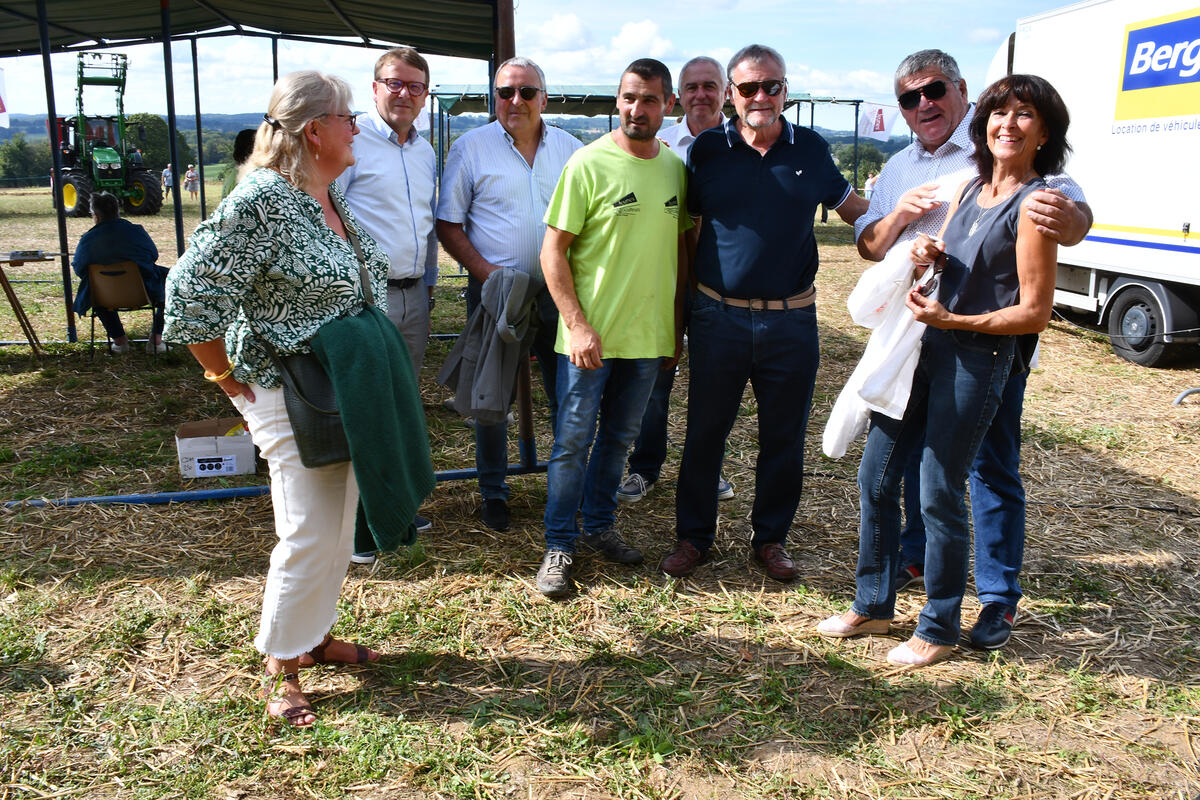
pixel 587 128
pixel 34 125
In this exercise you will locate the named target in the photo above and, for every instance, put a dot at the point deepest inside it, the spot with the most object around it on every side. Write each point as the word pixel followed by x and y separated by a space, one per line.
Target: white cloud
pixel 985 35
pixel 562 32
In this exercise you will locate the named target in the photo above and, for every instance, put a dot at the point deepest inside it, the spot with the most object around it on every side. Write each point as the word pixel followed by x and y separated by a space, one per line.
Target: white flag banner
pixel 3 103
pixel 875 122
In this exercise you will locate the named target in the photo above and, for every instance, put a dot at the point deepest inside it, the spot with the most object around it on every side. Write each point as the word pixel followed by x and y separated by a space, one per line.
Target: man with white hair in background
pixel 391 188
pixel 496 186
pixel 912 195
pixel 702 95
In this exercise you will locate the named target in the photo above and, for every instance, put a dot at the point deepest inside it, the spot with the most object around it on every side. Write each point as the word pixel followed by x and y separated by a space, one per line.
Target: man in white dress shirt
pixel 702 94
pixel 391 188
pixel 495 188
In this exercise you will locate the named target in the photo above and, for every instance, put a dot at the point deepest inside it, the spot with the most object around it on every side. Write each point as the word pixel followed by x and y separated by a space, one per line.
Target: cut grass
pixel 126 668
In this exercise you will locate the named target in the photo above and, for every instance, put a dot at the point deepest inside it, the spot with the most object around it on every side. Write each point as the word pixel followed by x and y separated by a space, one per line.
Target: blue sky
pixel 843 48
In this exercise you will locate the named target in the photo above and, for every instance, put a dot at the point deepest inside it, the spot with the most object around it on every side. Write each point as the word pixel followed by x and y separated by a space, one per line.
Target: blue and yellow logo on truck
pixel 1161 76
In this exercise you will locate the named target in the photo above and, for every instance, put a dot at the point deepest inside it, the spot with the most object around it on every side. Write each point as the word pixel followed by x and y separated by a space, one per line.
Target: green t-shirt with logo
pixel 627 214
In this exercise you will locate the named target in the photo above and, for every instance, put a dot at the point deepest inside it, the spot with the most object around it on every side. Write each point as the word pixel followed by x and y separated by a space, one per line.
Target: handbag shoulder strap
pixel 364 277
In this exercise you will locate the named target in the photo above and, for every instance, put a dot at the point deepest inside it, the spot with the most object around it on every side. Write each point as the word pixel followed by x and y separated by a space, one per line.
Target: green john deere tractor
pixel 97 155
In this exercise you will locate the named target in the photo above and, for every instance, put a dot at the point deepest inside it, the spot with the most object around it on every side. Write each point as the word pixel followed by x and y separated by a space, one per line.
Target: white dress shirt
pixel 392 190
pixel 679 137
pixel 949 166
pixel 489 188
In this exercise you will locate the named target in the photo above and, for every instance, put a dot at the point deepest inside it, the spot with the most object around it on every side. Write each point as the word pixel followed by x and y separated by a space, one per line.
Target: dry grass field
pixel 126 668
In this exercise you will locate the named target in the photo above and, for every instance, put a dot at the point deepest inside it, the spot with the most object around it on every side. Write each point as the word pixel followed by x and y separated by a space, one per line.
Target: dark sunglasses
pixel 507 92
pixel 932 91
pixel 750 88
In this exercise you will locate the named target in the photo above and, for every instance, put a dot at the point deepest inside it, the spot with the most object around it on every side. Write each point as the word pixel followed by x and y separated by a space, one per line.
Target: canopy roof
pixel 461 28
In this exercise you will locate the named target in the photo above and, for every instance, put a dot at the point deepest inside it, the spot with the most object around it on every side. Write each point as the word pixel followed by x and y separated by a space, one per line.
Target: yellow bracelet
pixel 208 376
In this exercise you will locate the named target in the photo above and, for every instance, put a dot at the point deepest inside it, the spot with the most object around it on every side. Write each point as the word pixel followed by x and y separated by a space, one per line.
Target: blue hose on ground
pixel 156 498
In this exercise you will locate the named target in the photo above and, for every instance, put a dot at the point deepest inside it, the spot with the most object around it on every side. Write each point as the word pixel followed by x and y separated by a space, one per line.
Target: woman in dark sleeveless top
pixel 993 283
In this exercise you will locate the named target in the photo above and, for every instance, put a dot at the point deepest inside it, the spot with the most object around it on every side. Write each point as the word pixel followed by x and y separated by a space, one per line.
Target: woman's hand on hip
pixel 232 387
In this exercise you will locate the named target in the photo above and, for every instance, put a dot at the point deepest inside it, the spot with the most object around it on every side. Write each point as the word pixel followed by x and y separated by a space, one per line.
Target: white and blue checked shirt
pixel 949 167
pixel 489 188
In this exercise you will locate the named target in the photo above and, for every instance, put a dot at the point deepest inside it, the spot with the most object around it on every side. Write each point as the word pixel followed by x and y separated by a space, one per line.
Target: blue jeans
pixel 577 481
pixel 956 390
pixel 777 353
pixel 997 504
pixel 491 441
pixel 650 449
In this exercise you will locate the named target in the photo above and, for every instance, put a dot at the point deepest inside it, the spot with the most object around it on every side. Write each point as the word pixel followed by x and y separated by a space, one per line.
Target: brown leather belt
pixel 805 298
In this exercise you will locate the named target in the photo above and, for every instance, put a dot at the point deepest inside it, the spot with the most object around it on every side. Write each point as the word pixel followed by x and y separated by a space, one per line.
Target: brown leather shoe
pixel 683 560
pixel 776 561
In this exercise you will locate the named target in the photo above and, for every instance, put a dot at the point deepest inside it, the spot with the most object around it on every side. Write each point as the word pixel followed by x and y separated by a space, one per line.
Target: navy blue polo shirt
pixel 757 238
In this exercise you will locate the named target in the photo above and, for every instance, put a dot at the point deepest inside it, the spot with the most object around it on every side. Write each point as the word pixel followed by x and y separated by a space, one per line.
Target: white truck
pixel 1129 71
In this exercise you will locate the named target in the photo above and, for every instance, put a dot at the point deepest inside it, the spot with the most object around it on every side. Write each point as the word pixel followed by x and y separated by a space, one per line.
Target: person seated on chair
pixel 113 239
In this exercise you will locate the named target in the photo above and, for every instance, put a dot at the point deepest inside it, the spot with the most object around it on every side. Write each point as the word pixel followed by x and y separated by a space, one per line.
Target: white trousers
pixel 314 520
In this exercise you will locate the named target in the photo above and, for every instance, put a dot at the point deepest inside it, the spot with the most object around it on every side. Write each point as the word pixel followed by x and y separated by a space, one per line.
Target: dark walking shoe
pixel 609 544
pixel 494 514
pixel 994 627
pixel 554 577
pixel 683 560
pixel 908 575
pixel 776 561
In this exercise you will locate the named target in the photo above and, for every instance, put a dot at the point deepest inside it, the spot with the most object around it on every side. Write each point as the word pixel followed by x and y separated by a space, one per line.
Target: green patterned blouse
pixel 265 265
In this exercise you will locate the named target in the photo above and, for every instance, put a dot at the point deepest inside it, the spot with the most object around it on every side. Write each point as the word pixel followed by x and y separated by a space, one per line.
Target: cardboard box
pixel 211 447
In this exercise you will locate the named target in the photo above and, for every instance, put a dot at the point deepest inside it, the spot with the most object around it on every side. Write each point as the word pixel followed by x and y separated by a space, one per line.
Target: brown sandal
pixel 293 715
pixel 362 655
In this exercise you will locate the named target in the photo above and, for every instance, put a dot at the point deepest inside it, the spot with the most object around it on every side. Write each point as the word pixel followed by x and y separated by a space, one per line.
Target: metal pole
pixel 199 134
pixel 56 154
pixel 172 130
pixel 274 60
pixel 856 145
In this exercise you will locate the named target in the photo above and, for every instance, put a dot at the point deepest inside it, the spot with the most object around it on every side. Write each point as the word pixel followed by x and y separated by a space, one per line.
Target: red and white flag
pixel 3 103
pixel 875 122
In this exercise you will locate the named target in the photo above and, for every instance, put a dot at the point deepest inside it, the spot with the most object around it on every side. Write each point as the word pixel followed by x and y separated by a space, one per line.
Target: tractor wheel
pixel 144 194
pixel 76 193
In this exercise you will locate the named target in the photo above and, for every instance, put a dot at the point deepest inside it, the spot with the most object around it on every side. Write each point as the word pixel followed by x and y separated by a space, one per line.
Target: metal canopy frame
pixel 480 29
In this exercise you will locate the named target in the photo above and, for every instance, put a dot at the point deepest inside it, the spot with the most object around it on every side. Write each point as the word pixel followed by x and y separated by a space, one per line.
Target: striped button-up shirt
pixel 949 166
pixel 391 187
pixel 489 188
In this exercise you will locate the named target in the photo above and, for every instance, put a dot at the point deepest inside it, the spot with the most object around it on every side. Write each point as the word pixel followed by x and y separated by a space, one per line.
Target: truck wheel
pixel 76 194
pixel 144 194
pixel 1135 327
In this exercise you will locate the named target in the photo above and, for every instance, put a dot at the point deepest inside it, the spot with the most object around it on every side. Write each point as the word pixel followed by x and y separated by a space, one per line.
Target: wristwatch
pixel 432 302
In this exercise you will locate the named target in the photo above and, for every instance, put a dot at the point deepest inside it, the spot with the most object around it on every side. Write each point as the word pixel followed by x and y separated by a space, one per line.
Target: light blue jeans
pixel 615 396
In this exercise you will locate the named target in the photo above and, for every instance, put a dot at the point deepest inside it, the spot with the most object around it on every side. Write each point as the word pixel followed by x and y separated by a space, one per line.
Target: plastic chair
pixel 116 287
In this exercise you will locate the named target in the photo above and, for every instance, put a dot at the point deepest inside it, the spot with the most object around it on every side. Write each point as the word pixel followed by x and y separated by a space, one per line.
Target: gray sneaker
pixel 633 488
pixel 724 489
pixel 554 577
pixel 609 544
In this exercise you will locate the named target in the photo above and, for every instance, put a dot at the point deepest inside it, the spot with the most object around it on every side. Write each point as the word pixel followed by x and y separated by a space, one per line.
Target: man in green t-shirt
pixel 611 261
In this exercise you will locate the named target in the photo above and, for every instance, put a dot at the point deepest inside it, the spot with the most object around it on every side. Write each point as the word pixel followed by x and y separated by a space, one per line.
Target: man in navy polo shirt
pixel 755 184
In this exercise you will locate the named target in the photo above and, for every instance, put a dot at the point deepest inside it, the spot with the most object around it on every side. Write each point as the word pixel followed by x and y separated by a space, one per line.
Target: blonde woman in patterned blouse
pixel 273 264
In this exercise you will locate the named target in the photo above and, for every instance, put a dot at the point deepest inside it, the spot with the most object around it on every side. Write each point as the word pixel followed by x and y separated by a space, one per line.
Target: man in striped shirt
pixel 495 188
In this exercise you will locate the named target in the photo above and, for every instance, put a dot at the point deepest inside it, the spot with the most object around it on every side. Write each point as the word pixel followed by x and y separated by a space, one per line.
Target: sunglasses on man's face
pixel 932 91
pixel 508 92
pixel 750 88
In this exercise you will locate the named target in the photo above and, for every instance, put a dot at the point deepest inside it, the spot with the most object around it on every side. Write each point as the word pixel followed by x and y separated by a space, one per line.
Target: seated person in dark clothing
pixel 111 240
